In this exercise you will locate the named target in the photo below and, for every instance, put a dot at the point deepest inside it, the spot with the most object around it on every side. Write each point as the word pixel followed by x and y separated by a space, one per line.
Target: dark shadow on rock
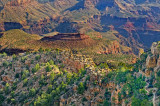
pixel 77 6
pixel 1 8
pixel 66 37
pixel 13 51
pixel 12 25
pixel 67 27
pixel 1 34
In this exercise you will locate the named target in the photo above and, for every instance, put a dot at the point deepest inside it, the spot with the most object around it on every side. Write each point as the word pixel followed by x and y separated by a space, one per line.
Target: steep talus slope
pixel 18 39
pixel 41 74
pixel 53 77
pixel 60 77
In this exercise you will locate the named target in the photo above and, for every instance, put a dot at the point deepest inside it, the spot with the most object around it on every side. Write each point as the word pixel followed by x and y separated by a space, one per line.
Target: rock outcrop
pixel 154 48
pixel 112 48
pixel 153 59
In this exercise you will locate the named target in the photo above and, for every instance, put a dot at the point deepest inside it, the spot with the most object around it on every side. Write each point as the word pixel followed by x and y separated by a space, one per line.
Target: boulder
pixel 154 49
pixel 151 61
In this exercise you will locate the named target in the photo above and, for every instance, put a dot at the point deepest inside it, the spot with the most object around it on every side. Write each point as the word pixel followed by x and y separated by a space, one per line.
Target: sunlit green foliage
pixel 36 68
pixel 81 88
pixel 32 92
pixel 37 57
pixel 48 67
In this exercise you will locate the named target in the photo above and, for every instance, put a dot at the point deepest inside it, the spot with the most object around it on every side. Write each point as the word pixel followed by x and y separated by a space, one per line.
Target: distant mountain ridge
pixel 138 21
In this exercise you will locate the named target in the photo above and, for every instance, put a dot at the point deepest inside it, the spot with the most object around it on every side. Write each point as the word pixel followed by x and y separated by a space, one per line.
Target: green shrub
pixel 43 100
pixel 48 68
pixel 4 54
pixel 25 74
pixel 7 88
pixel 2 98
pixel 13 101
pixel 48 50
pixel 14 86
pixel 23 59
pixel 32 92
pixel 25 82
pixel 12 94
pixel 49 89
pixel 81 88
pixel 52 76
pixel 38 57
pixel 17 75
pixel 42 81
pixel 32 62
pixel 103 65
pixel 14 57
pixel 40 50
pixel 5 64
pixel 69 77
pixel 36 68
pixel 84 99
pixel 51 62
pixel 33 70
pixel 158 73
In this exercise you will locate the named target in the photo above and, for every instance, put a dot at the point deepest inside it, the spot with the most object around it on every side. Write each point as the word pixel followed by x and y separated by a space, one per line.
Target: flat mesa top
pixel 67 36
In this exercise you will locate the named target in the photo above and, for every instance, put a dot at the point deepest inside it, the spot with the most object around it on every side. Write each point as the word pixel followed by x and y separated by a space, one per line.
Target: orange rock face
pixel 112 48
pixel 19 2
pixel 134 60
pixel 77 65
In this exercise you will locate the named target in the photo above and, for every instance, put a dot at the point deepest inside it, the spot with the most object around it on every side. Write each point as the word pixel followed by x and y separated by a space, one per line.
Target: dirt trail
pixel 154 90
pixel 154 96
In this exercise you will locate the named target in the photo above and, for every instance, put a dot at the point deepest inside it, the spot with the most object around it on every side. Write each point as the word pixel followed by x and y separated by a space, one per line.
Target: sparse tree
pixel 25 82
pixel 48 68
pixel 7 88
pixel 81 88
pixel 51 62
pixel 32 92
